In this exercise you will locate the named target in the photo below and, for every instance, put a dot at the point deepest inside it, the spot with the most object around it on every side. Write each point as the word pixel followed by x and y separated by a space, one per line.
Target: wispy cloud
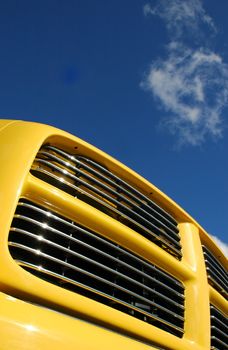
pixel 192 86
pixel 191 82
pixel 223 246
pixel 180 16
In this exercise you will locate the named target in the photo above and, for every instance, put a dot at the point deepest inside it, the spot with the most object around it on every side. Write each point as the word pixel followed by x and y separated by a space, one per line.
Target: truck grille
pixel 219 330
pixel 97 186
pixel 71 256
pixel 216 273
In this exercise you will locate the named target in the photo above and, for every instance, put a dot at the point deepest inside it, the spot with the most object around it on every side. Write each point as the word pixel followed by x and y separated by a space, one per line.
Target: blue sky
pixel 145 81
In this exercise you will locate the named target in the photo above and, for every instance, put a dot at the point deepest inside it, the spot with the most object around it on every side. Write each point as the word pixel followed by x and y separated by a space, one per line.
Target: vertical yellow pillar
pixel 197 314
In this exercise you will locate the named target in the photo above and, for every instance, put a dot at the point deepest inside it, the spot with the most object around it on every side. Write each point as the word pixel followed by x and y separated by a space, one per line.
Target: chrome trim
pixel 112 183
pixel 216 273
pixel 157 238
pixel 78 175
pixel 68 280
pixel 219 329
pixel 51 245
pixel 132 191
pixel 109 244
pixel 109 198
pixel 118 274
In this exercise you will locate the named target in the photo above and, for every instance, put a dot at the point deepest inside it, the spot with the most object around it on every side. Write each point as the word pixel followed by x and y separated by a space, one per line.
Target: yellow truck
pixel 93 256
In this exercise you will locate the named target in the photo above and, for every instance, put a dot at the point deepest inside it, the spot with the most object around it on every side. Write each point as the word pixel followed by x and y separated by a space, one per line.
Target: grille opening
pixel 71 256
pixel 216 273
pixel 94 184
pixel 219 329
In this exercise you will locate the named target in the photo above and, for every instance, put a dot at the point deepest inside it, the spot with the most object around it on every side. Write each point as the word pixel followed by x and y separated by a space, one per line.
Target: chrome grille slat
pixel 219 329
pixel 216 273
pixel 111 245
pixel 220 333
pixel 109 198
pixel 68 280
pixel 79 259
pixel 87 179
pixel 91 261
pixel 219 276
pixel 150 233
pixel 132 192
pixel 211 257
pixel 172 229
pixel 136 192
pixel 213 277
pixel 220 344
pixel 213 264
pixel 70 266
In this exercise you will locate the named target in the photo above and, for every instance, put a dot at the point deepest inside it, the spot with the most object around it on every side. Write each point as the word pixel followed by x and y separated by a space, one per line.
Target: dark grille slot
pixel 73 257
pixel 97 186
pixel 216 273
pixel 219 330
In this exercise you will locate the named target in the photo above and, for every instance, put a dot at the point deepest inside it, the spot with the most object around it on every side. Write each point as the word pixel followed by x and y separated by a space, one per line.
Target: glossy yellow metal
pixel 197 295
pixel 19 144
pixel 218 301
pixel 24 326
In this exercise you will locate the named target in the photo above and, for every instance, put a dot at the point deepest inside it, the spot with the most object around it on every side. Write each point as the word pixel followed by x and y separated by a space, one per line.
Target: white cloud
pixel 192 86
pixel 180 15
pixel 147 10
pixel 191 82
pixel 223 246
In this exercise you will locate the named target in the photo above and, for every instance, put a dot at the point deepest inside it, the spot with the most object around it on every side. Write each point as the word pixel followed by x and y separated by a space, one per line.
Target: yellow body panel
pixel 24 326
pixel 19 144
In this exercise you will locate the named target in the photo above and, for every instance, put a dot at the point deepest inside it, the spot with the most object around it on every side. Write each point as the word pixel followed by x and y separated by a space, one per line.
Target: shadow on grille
pixel 97 186
pixel 73 257
pixel 219 330
pixel 216 273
